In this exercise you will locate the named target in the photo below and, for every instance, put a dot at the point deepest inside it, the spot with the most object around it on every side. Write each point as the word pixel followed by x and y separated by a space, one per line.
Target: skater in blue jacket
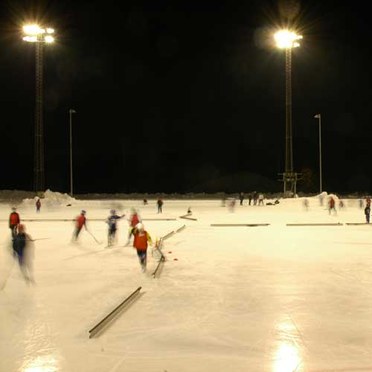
pixel 112 220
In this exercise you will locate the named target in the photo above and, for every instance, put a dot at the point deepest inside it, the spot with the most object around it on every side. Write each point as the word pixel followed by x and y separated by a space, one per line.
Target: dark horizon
pixel 187 97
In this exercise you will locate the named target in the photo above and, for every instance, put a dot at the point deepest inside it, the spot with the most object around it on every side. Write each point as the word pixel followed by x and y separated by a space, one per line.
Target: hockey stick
pixel 97 241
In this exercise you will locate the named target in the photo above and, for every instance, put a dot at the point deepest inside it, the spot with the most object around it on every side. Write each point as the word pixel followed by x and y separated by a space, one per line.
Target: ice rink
pixel 285 289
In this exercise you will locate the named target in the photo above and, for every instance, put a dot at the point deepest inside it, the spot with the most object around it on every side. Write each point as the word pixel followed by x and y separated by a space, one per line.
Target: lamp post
pixel 40 36
pixel 286 39
pixel 71 112
pixel 319 117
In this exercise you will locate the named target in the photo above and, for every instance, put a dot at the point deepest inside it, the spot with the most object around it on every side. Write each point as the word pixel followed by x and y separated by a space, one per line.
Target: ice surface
pixel 229 298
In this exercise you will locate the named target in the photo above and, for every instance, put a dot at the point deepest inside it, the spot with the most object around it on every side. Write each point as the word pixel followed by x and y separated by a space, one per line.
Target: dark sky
pixel 187 96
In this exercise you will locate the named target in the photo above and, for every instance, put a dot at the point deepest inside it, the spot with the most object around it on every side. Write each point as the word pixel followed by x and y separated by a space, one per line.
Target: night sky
pixel 187 96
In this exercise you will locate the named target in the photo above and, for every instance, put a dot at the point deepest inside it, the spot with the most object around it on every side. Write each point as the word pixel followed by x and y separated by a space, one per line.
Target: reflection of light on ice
pixel 45 363
pixel 287 357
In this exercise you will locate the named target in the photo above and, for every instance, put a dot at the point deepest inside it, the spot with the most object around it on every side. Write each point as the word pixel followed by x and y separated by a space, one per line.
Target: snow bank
pixel 50 199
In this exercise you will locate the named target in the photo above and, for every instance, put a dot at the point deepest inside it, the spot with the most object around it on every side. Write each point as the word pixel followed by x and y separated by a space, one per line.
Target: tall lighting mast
pixel 33 33
pixel 287 39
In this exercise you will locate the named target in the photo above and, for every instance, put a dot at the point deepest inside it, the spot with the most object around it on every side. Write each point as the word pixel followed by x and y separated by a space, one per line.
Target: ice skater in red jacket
pixel 134 219
pixel 80 222
pixel 141 241
pixel 14 220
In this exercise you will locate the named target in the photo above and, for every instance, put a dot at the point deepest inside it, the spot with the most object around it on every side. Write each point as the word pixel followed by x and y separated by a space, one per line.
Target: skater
pixel 306 204
pixel 231 204
pixel 38 205
pixel 134 219
pixel 241 198
pixel 80 222
pixel 368 201
pixel 141 241
pixel 367 212
pixel 160 205
pixel 250 196
pixel 255 198
pixel 223 201
pixel 14 220
pixel 112 226
pixel 23 252
pixel 331 205
pixel 261 199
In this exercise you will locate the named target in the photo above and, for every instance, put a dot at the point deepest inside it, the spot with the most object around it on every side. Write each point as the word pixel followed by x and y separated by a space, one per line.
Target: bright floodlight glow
pixel 286 39
pixel 33 33
pixel 49 39
pixel 33 30
pixel 30 39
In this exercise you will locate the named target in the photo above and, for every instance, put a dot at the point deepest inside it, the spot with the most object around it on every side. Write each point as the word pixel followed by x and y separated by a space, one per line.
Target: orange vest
pixel 141 240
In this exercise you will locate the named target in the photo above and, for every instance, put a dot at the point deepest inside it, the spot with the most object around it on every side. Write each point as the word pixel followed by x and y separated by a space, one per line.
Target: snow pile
pixel 51 199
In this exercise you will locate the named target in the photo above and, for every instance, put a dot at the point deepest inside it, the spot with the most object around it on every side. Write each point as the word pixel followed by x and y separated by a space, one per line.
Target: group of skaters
pixel 366 203
pixel 22 245
pixel 332 205
pixel 254 198
pixel 22 242
pixel 141 237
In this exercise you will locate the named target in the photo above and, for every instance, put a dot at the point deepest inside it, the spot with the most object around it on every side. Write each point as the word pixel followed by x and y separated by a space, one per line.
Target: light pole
pixel 286 39
pixel 38 35
pixel 71 112
pixel 319 117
